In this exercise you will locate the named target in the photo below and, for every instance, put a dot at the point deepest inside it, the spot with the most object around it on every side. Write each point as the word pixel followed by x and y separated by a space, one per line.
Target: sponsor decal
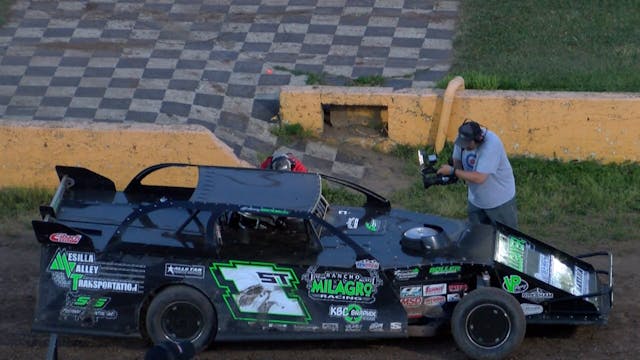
pixel 406 291
pixel 511 251
pixel 353 327
pixel 63 238
pixel 444 270
pixel 342 286
pixel 434 289
pixel 343 212
pixel 581 281
pixel 544 268
pixel 275 326
pixel 306 328
pixel 80 271
pixel 184 271
pixel 373 225
pixel 395 326
pixel 332 327
pixel 435 300
pixel 514 284
pixel 367 264
pixel 352 223
pixel 376 327
pixel 410 302
pixel 537 295
pixel 353 313
pixel 458 287
pixel 87 307
pixel 261 292
pixel 274 211
pixel 264 210
pixel 406 274
pixel 455 297
pixel 531 309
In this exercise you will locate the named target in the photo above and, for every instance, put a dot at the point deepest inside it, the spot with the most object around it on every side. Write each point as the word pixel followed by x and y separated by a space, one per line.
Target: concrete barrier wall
pixel 29 151
pixel 564 125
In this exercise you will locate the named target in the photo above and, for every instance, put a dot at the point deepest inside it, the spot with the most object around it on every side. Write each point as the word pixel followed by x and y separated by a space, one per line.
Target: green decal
pixel 373 225
pixel 515 257
pixel 354 314
pixel 83 300
pixel 100 303
pixel 61 263
pixel 443 270
pixel 514 284
pixel 274 211
pixel 342 286
pixel 256 291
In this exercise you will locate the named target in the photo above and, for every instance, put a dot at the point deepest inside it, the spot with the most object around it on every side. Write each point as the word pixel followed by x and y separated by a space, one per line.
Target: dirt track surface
pixel 19 261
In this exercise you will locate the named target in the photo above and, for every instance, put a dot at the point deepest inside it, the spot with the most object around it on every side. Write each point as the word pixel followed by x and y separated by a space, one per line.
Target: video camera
pixel 428 171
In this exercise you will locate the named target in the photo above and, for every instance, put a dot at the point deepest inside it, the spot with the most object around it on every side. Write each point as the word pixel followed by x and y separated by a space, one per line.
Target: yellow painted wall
pixel 565 125
pixel 29 151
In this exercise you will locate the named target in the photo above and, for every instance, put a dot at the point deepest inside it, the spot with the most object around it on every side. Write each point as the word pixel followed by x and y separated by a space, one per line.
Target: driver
pixel 481 161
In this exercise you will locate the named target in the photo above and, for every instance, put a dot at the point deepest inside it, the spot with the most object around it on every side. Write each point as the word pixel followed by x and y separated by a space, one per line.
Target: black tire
pixel 488 323
pixel 180 313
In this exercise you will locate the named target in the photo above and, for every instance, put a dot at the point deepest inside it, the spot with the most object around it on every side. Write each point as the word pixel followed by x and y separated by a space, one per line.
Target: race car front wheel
pixel 488 323
pixel 179 314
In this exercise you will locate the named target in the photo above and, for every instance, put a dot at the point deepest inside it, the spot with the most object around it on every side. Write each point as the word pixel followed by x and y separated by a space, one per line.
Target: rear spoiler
pixel 80 179
pixel 62 235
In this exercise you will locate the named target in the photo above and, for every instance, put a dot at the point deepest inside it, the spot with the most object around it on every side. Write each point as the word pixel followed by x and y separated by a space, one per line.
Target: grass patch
pixel 374 80
pixel 287 133
pixel 557 201
pixel 18 206
pixel 559 45
pixel 337 194
pixel 321 78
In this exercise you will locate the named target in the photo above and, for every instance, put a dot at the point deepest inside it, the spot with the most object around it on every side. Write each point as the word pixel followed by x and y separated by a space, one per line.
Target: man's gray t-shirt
pixel 488 158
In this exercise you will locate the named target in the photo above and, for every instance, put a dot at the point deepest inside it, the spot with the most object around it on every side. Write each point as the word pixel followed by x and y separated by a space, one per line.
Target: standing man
pixel 480 160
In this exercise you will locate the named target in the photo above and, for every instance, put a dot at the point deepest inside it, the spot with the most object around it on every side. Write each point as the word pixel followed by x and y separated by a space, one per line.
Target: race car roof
pixel 257 187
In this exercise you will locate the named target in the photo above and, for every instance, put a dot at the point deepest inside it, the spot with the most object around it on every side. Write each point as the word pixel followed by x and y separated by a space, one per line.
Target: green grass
pixel 374 80
pixel 558 201
pixel 588 45
pixel 18 206
pixel 320 78
pixel 287 133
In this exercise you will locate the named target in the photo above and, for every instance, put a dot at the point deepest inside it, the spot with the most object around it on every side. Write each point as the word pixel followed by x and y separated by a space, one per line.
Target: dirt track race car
pixel 260 254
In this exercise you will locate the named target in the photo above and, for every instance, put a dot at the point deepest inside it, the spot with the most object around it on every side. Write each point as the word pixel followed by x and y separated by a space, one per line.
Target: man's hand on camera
pixel 445 170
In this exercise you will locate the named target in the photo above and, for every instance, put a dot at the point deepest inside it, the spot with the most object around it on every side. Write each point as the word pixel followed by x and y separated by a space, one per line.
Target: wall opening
pixel 370 122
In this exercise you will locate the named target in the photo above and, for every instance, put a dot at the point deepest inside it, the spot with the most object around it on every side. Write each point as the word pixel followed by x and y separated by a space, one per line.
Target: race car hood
pixel 380 233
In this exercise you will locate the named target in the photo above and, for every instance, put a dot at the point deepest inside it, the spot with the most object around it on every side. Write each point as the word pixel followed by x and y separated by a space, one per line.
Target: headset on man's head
pixel 478 133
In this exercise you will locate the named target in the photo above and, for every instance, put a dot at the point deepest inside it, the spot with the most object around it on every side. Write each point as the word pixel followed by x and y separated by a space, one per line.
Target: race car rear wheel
pixel 179 314
pixel 488 323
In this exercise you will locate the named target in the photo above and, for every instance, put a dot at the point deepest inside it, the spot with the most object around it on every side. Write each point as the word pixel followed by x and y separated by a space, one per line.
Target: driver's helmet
pixel 281 162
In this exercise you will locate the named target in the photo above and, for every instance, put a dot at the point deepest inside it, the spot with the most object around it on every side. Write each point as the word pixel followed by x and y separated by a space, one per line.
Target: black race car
pixel 259 254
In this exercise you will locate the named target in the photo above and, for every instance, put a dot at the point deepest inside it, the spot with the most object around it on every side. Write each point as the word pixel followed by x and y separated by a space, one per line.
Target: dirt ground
pixel 19 262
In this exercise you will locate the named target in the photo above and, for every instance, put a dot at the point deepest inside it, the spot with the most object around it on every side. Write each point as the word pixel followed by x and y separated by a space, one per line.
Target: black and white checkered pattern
pixel 216 63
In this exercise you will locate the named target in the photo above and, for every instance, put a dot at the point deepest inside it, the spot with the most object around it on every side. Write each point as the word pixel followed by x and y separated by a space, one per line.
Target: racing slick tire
pixel 181 313
pixel 488 323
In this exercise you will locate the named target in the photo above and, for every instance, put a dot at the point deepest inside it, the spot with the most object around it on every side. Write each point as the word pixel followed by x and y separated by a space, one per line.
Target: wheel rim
pixel 182 321
pixel 488 326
